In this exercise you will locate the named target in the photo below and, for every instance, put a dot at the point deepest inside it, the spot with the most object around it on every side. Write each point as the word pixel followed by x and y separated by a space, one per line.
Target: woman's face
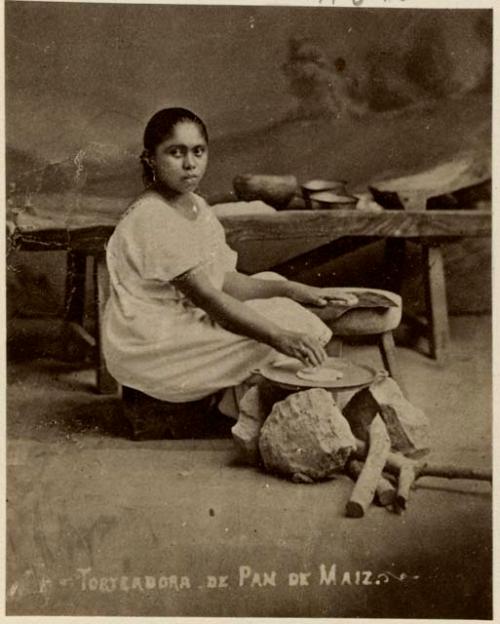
pixel 180 161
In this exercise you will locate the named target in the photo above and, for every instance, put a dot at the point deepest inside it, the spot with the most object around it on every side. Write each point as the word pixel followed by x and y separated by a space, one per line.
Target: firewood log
pixel 447 471
pixel 407 477
pixel 396 461
pixel 385 491
pixel 364 490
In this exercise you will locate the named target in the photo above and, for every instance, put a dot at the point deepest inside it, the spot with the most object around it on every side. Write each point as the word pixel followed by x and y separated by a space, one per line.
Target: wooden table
pixel 323 228
pixel 431 229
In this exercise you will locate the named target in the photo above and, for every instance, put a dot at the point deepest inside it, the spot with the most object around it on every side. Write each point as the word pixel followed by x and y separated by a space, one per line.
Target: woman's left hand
pixel 312 295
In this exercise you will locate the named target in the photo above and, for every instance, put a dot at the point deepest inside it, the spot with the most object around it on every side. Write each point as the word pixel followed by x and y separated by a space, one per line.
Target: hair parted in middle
pixel 159 128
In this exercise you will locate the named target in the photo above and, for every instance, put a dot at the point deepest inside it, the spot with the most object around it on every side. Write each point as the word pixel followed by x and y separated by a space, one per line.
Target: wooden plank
pixel 291 225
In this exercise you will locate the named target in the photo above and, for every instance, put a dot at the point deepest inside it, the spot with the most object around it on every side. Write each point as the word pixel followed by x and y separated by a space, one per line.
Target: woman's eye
pixel 199 151
pixel 176 152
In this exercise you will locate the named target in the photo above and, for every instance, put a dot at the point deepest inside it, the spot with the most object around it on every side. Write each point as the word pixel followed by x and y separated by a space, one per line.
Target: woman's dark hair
pixel 160 127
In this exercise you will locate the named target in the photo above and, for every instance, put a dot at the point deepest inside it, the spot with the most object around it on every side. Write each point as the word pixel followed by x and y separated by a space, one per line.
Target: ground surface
pixel 86 504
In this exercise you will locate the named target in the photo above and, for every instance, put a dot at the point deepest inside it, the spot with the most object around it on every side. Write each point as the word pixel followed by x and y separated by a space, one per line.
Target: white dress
pixel 155 339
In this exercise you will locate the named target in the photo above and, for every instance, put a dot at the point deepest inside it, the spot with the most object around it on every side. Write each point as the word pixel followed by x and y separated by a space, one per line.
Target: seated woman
pixel 181 322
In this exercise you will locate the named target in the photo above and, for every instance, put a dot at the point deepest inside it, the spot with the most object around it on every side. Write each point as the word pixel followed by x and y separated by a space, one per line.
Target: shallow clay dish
pixel 353 375
pixel 316 186
pixel 328 200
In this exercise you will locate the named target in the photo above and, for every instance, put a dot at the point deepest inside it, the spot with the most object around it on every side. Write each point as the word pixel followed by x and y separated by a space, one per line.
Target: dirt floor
pixel 102 525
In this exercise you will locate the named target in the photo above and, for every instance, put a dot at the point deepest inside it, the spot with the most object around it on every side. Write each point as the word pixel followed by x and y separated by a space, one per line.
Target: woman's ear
pixel 147 158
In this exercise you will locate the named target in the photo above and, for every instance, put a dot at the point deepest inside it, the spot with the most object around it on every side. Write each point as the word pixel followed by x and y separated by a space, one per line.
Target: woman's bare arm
pixel 244 287
pixel 235 316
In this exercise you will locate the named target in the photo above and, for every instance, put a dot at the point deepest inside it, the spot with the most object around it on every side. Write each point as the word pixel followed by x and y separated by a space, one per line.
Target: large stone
pixel 394 406
pixel 306 437
pixel 407 425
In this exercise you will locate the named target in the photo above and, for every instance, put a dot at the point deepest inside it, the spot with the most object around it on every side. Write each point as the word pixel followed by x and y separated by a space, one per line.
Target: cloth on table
pixel 155 340
pixel 366 299
pixel 242 208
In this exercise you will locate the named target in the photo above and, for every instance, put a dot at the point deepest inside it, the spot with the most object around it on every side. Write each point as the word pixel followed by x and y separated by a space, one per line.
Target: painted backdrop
pixel 356 94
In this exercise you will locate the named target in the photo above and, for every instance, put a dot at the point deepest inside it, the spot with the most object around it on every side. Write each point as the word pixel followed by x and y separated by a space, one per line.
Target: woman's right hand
pixel 239 318
pixel 305 348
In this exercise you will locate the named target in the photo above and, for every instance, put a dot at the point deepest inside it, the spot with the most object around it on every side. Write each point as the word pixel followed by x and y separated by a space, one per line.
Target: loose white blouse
pixel 155 339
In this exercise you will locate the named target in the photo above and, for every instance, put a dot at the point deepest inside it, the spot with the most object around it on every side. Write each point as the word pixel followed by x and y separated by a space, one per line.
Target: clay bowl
pixel 275 190
pixel 327 200
pixel 317 186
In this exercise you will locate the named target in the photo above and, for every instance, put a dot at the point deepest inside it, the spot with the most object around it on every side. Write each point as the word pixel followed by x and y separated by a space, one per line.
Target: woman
pixel 181 322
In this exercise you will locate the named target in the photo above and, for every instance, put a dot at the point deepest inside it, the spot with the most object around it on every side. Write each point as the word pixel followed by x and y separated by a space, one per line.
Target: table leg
pixel 106 384
pixel 436 304
pixel 74 303
pixel 388 352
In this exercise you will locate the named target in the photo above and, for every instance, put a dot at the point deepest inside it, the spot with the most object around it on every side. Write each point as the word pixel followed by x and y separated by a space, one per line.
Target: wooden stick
pixel 364 490
pixel 396 461
pixel 386 494
pixel 453 472
pixel 407 476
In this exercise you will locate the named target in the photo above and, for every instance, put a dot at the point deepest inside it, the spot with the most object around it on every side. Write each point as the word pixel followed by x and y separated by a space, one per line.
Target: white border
pixel 325 4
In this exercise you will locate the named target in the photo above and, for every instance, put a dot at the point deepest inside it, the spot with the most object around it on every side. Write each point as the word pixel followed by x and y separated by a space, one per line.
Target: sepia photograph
pixel 249 354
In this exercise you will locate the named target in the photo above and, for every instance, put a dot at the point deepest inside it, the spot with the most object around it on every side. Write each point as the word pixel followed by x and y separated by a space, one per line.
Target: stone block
pixel 407 425
pixel 306 437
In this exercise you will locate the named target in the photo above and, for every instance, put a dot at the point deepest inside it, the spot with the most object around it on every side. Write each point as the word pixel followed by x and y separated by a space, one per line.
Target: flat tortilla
pixel 320 375
pixel 353 375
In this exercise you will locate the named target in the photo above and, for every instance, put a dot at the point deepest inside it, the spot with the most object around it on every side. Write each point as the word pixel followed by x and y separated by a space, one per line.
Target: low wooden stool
pixel 153 419
pixel 379 322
